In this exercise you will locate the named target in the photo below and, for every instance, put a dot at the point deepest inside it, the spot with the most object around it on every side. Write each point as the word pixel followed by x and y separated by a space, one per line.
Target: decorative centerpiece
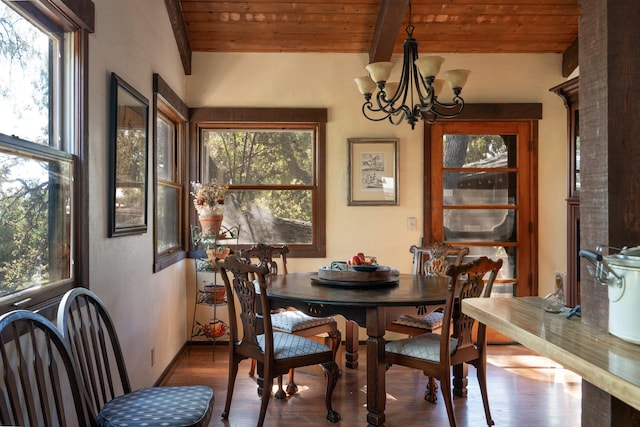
pixel 208 200
pixel 359 271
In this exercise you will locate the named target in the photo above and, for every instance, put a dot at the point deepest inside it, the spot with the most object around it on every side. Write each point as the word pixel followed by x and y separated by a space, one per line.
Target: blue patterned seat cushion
pixel 428 323
pixel 158 406
pixel 294 320
pixel 425 347
pixel 289 345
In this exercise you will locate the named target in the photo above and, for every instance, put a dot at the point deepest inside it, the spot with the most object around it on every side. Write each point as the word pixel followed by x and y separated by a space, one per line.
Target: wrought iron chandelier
pixel 418 77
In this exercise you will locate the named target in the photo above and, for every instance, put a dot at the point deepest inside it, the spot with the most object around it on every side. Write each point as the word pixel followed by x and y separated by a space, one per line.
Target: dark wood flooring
pixel 525 390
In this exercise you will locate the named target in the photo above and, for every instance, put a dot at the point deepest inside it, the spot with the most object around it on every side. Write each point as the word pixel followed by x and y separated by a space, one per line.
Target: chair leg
pixel 260 379
pixel 292 388
pixel 482 381
pixel 445 387
pixel 266 395
pixel 252 369
pixel 431 394
pixel 233 372
pixel 332 373
pixel 280 394
pixel 336 339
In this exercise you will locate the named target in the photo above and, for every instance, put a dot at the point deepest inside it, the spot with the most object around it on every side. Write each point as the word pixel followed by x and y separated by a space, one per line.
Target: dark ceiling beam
pixel 570 60
pixel 180 33
pixel 390 17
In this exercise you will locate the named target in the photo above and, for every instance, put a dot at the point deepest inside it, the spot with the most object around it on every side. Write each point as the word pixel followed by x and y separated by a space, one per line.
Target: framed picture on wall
pixel 128 149
pixel 372 172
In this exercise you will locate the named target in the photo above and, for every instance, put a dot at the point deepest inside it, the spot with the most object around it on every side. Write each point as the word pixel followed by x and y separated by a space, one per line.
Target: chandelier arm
pixel 368 107
pixel 447 111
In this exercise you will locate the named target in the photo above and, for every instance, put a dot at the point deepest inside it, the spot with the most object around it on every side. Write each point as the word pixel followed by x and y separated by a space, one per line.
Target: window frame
pixel 207 117
pixel 167 103
pixel 75 19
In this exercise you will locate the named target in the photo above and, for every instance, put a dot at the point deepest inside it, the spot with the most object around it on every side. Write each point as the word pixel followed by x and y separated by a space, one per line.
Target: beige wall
pixel 326 80
pixel 134 40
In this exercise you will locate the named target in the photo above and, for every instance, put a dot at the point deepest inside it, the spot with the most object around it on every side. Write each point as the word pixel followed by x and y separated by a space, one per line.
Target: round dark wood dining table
pixel 373 305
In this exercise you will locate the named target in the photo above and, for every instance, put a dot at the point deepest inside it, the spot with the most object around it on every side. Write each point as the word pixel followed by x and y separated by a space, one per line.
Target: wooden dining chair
pixel 430 260
pixel 435 354
pixel 290 320
pixel 276 352
pixel 39 384
pixel 91 336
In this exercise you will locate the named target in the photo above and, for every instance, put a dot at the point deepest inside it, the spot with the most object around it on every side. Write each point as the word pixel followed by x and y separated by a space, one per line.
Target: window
pixel 275 170
pixel 41 132
pixel 170 114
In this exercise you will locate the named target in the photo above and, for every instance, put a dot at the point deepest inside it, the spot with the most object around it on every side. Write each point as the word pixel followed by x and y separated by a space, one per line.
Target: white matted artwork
pixel 373 172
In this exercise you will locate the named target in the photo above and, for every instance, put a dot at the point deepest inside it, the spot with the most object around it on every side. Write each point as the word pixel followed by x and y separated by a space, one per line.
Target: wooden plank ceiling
pixel 454 26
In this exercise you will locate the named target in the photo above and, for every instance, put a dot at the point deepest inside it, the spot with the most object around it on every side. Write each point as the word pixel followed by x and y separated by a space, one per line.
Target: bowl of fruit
pixel 362 262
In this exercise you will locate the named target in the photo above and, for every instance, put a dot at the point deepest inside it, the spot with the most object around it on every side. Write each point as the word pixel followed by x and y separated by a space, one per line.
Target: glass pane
pixel 274 216
pixel 165 150
pixel 476 151
pixel 168 227
pixel 258 157
pixel 507 254
pixel 35 220
pixel 480 225
pixel 25 65
pixel 479 188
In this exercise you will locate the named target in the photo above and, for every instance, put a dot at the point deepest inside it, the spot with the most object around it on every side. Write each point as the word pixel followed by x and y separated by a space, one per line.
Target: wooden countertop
pixel 600 358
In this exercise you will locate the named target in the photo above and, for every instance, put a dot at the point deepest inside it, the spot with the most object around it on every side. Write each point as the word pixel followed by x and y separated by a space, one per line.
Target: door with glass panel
pixel 483 196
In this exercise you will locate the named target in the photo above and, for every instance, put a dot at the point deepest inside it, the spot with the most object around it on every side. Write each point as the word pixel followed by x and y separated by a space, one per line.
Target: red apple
pixel 361 256
pixel 355 260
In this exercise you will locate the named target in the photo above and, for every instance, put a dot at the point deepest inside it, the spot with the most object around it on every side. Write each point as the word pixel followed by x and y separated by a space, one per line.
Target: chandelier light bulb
pixel 390 89
pixel 429 66
pixel 456 78
pixel 379 71
pixel 365 85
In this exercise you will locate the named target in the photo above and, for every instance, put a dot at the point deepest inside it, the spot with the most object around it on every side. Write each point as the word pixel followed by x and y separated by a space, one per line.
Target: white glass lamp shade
pixel 429 66
pixel 390 89
pixel 379 71
pixel 438 84
pixel 365 84
pixel 456 78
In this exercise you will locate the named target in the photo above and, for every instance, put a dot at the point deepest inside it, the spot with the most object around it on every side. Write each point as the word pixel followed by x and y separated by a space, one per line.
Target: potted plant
pixel 208 200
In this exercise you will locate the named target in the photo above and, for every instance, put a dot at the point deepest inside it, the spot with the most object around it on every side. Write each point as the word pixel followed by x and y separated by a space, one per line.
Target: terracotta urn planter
pixel 214 294
pixel 211 224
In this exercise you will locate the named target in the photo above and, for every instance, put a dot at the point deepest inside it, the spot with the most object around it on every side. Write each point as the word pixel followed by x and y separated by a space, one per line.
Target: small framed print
pixel 373 172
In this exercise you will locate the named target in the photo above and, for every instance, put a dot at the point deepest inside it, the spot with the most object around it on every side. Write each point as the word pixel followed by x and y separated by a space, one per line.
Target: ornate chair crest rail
pixel 275 352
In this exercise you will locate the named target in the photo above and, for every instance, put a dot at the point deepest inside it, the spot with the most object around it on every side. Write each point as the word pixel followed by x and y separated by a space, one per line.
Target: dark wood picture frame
pixel 372 172
pixel 128 159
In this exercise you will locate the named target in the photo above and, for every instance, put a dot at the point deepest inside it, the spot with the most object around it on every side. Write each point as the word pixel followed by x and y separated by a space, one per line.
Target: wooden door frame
pixel 530 113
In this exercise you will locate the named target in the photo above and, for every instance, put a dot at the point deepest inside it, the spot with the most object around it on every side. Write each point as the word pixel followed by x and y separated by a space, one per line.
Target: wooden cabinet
pixel 569 92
